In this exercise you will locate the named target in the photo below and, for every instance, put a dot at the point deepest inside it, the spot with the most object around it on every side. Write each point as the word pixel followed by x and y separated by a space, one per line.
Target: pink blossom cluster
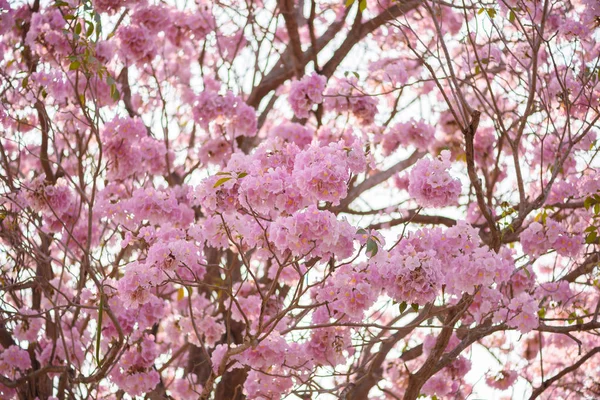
pixel 502 380
pixel 350 292
pixel 346 97
pixel 177 256
pixel 416 133
pixel 137 44
pixel 536 239
pixel 192 308
pixel 275 384
pixel 430 183
pixel 57 202
pixel 410 276
pixel 129 149
pixel 228 111
pixel 280 179
pixel 322 173
pixel 111 6
pixel 54 83
pixel 29 327
pixel 329 346
pixel 14 361
pixel 135 287
pixel 390 70
pixel 134 373
pixel 155 18
pixel 312 231
pixel 413 272
pixel 305 93
pixel 301 135
pixel 522 313
pixel 162 207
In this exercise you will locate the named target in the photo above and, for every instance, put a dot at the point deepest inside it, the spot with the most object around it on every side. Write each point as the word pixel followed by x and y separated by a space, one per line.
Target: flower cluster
pixel 536 239
pixel 410 276
pixel 12 359
pixel 129 149
pixel 415 133
pixel 137 44
pixel 430 183
pixel 313 231
pixel 212 110
pixel 412 271
pixel 322 173
pixel 349 293
pixel 345 97
pixel 305 93
pixel 301 135
pixel 134 373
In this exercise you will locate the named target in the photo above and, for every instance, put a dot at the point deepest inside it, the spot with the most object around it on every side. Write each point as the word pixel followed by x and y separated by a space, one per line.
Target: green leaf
pixel 74 65
pixel 591 237
pixel 511 16
pixel 587 203
pixel 491 12
pixel 242 174
pixel 361 232
pixel 597 208
pixel 78 29
pixel 480 11
pixel 221 181
pixel 90 29
pixel 542 312
pixel 349 3
pixel 372 247
pixel 114 93
pixel 25 82
pixel 362 6
pixel 415 307
pixel 403 306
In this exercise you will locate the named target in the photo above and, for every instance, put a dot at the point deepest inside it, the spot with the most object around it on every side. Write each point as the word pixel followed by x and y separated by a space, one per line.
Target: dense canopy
pixel 299 199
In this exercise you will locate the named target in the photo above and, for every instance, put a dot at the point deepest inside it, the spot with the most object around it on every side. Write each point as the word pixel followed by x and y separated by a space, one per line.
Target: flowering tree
pixel 299 199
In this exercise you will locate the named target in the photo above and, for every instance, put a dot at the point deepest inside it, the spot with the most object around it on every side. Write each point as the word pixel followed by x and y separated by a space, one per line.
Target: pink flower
pixel 305 93
pixel 312 232
pixel 292 132
pixel 418 134
pixel 137 44
pixel 503 380
pixel 430 183
pixel 14 357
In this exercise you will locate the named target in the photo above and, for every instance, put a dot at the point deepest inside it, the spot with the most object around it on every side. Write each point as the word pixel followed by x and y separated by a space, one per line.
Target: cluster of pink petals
pixel 345 97
pixel 134 372
pixel 503 380
pixel 129 150
pixel 536 239
pixel 416 133
pixel 312 231
pixel 430 183
pixel 14 358
pixel 301 135
pixel 212 110
pixel 413 271
pixel 349 293
pixel 305 93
